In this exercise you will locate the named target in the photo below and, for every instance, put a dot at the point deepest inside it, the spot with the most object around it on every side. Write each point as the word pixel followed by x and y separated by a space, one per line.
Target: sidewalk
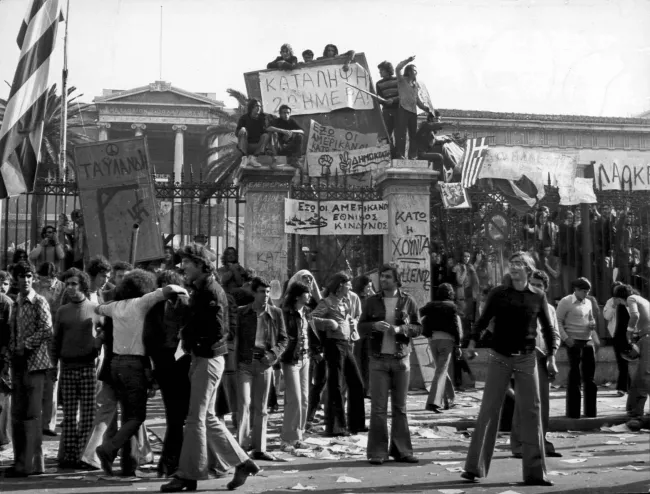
pixel 611 410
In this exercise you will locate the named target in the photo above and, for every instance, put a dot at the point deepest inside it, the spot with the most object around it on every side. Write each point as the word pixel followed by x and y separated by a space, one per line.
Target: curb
pixel 556 424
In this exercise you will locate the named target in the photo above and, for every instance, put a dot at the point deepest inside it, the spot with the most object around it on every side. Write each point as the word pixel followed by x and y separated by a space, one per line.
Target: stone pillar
pixel 179 155
pixel 265 243
pixel 103 130
pixel 407 245
pixel 139 129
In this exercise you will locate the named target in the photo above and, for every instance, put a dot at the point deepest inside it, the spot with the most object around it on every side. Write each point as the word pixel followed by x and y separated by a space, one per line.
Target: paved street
pixel 594 461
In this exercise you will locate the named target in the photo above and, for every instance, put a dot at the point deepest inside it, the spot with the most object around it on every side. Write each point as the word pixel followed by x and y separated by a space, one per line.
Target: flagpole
pixel 63 162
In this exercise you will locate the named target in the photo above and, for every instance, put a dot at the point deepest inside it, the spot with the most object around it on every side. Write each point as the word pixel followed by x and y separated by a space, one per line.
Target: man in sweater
pixel 76 346
pixel 29 348
pixel 407 113
pixel 387 90
pixel 577 323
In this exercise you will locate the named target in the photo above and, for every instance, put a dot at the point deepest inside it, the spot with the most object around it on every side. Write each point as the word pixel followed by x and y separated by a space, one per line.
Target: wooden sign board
pixel 363 121
pixel 116 191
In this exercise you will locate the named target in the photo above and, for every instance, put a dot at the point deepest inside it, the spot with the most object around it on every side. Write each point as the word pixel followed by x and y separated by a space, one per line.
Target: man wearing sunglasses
pixel 516 309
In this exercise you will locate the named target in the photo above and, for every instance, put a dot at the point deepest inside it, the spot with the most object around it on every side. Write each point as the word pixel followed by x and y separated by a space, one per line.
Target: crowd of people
pixel 213 342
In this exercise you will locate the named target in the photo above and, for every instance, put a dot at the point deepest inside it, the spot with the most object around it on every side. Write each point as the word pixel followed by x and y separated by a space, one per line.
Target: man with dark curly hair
pixel 205 337
pixel 76 345
pixel 130 368
pixel 98 270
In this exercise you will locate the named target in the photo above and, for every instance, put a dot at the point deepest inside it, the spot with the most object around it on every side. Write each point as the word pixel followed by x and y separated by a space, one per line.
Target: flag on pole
pixel 22 126
pixel 475 150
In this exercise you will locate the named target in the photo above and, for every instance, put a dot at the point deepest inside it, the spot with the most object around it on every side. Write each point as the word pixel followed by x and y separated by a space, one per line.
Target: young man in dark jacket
pixel 260 341
pixel 204 336
pixel 390 319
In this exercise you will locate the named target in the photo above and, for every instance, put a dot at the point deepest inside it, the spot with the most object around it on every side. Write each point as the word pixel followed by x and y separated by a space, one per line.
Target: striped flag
pixel 473 158
pixel 22 126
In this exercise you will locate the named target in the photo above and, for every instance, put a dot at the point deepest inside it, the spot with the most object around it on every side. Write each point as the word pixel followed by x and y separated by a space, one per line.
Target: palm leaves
pixel 224 158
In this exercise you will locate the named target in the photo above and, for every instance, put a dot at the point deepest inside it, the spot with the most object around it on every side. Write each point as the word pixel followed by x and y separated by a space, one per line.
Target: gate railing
pixel 186 208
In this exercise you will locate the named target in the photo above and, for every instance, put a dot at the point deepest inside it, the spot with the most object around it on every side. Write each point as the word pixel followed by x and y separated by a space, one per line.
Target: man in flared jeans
pixel 500 369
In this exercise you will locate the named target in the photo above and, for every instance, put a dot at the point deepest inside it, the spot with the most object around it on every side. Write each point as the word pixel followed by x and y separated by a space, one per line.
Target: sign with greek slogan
pixel 317 89
pixel 348 162
pixel 335 217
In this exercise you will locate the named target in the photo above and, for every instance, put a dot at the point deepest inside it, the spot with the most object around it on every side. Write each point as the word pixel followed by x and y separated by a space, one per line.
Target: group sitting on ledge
pixel 261 134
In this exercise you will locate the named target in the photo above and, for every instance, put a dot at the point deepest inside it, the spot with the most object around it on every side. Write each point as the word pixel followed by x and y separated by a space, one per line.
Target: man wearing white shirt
pixel 130 367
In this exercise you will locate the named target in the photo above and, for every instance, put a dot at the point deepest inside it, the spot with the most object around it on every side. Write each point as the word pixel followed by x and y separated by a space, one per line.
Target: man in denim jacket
pixel 390 319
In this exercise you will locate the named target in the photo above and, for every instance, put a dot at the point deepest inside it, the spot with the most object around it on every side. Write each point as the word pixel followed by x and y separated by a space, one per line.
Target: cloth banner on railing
pixel 323 138
pixel 335 217
pixel 580 192
pixel 619 176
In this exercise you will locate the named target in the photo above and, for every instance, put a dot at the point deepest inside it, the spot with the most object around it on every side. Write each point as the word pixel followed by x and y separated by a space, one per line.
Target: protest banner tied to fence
pixel 318 89
pixel 622 176
pixel 335 217
pixel 350 162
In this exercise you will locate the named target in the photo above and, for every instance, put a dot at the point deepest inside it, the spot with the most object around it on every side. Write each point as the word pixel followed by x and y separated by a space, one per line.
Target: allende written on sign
pixel 335 217
pixel 318 89
pixel 618 176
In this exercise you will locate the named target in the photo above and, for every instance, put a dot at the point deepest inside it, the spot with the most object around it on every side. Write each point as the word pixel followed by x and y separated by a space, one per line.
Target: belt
pixel 128 357
pixel 258 353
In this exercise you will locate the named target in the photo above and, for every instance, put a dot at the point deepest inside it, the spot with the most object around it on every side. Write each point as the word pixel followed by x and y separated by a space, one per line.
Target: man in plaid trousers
pixel 76 345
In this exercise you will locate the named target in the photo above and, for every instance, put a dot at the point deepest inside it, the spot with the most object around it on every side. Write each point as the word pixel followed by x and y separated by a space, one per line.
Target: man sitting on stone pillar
pixel 287 135
pixel 251 131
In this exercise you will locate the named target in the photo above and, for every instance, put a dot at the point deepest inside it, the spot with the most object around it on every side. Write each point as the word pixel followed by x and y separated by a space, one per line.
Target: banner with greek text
pixel 116 191
pixel 619 176
pixel 348 162
pixel 335 217
pixel 318 89
pixel 327 138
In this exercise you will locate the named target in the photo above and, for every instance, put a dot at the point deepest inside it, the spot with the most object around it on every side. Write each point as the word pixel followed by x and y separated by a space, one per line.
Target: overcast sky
pixel 587 57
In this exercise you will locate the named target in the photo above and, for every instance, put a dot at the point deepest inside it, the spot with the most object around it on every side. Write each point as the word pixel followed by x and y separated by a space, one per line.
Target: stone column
pixel 103 130
pixel 139 129
pixel 179 156
pixel 265 243
pixel 407 245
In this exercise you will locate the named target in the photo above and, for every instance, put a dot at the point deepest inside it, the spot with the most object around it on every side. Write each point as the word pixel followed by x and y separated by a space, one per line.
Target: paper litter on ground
pixel 346 479
pixel 290 471
pixel 446 462
pixel 575 460
pixel 615 428
pixel 451 491
pixel 631 467
pixel 300 487
pixel 556 472
pixel 455 469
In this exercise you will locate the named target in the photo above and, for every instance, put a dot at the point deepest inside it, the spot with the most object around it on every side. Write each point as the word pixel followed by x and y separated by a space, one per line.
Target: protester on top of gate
pixel 49 249
pixel 307 56
pixel 409 102
pixel 286 61
pixel 387 90
pixel 231 273
pixel 76 345
pixel 29 348
pixel 577 324
pixel 251 131
pixel 331 51
pixel 288 136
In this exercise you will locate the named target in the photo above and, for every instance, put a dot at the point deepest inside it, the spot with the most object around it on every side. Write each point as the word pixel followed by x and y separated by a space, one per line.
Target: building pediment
pixel 157 93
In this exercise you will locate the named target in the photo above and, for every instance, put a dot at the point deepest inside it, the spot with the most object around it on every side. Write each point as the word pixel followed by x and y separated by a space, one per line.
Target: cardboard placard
pixel 116 191
pixel 335 217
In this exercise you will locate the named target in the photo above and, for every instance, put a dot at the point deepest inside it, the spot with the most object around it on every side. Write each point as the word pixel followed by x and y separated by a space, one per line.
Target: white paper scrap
pixel 346 479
